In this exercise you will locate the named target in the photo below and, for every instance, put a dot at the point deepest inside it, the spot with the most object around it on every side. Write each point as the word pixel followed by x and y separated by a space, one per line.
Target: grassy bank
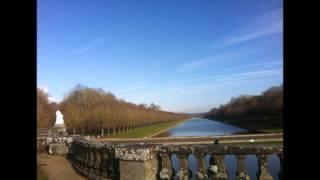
pixel 41 174
pixel 146 131
pixel 262 125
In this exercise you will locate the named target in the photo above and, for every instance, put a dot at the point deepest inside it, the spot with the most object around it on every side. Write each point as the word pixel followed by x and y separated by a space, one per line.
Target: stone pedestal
pixel 58 148
pixel 137 163
pixel 59 130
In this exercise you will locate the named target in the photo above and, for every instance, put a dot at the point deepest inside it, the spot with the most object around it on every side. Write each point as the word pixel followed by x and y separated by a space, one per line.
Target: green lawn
pixel 272 130
pixel 145 132
pixel 41 175
pixel 268 126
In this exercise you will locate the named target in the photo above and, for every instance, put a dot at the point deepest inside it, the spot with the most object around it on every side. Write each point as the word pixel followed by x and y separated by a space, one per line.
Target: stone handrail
pixel 105 160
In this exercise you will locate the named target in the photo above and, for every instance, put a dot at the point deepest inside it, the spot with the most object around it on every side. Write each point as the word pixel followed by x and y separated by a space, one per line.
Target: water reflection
pixel 203 127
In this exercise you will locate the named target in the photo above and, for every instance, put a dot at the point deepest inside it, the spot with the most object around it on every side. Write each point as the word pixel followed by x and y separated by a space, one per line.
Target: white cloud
pixel 50 98
pixel 44 89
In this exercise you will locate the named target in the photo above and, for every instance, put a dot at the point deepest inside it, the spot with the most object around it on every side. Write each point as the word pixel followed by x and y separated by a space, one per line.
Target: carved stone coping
pixel 221 149
pixel 146 151
pixel 135 152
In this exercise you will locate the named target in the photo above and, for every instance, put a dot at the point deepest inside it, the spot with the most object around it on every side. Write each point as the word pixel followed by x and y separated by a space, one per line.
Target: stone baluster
pixel 222 171
pixel 91 160
pixel 82 158
pixel 97 162
pixel 86 159
pixel 202 173
pixel 263 173
pixel 166 167
pixel 241 173
pixel 76 156
pixel 217 168
pixel 213 168
pixel 281 159
pixel 103 167
pixel 111 163
pixel 183 173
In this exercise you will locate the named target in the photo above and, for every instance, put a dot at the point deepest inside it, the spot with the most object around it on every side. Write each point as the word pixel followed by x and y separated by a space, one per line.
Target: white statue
pixel 59 118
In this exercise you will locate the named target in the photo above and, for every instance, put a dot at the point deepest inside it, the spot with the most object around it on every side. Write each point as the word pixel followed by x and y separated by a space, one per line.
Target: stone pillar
pixel 166 167
pixel 183 173
pixel 202 173
pixel 241 171
pixel 263 173
pixel 137 163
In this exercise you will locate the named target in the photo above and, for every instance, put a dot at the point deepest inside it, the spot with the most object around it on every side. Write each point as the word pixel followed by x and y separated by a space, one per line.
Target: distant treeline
pixel 92 111
pixel 264 107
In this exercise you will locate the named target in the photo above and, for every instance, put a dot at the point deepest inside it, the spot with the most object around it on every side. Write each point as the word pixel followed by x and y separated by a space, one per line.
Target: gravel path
pixel 58 168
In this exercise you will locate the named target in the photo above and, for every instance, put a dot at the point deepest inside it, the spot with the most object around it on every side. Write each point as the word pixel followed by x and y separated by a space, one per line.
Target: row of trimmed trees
pixel 45 110
pixel 268 105
pixel 94 111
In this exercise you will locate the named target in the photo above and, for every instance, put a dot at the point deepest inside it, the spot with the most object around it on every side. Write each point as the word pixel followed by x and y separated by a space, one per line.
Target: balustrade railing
pixel 102 160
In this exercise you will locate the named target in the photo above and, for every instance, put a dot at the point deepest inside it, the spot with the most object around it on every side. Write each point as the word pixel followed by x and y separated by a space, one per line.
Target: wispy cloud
pixel 261 26
pixel 232 77
pixel 238 74
pixel 91 45
pixel 196 86
pixel 221 56
pixel 208 83
pixel 264 25
pixel 264 64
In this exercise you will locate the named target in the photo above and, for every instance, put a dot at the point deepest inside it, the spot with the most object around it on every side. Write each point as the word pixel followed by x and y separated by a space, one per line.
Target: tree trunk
pixel 74 131
pixel 102 132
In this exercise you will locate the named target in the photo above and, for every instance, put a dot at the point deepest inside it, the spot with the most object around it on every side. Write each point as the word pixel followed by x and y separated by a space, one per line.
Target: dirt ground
pixel 58 168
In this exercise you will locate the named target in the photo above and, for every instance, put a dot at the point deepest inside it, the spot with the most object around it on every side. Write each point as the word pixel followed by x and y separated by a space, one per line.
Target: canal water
pixel 205 127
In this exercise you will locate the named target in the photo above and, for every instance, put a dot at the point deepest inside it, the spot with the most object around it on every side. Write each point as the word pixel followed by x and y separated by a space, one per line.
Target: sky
pixel 184 55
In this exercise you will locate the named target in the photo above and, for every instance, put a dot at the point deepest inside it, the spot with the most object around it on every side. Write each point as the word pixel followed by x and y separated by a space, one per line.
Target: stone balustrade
pixel 103 160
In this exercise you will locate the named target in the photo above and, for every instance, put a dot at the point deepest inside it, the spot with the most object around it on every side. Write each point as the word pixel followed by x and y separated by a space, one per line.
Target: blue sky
pixel 186 56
